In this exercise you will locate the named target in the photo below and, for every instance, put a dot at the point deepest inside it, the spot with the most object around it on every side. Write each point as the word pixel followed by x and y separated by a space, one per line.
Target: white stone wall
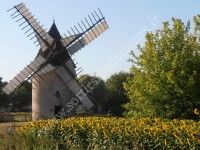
pixel 44 97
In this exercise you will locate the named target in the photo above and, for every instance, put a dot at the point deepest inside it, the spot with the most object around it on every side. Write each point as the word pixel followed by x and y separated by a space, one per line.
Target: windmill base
pixel 49 95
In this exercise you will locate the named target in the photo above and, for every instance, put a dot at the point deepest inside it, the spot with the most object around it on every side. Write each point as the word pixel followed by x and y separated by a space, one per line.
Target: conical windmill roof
pixel 53 32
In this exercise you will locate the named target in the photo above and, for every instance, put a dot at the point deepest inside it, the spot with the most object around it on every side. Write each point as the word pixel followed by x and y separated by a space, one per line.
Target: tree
pixel 4 100
pixel 22 97
pixel 95 87
pixel 166 80
pixel 115 93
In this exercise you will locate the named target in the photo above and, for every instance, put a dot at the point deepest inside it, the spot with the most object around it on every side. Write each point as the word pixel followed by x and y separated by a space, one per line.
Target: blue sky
pixel 128 21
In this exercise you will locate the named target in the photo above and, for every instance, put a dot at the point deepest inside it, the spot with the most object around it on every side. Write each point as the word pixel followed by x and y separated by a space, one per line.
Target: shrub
pixel 166 79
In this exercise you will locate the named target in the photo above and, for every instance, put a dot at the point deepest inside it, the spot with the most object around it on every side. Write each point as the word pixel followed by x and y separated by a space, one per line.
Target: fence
pixel 15 117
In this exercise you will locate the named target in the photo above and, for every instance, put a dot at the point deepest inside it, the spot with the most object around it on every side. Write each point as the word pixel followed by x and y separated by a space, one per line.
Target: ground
pixel 5 126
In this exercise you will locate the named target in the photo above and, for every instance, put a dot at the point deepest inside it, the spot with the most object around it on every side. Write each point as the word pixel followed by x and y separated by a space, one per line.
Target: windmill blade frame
pixel 86 35
pixel 42 36
pixel 24 75
pixel 87 38
pixel 67 77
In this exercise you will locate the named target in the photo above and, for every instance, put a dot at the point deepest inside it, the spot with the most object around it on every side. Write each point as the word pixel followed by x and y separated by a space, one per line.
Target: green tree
pixel 4 100
pixel 115 93
pixel 95 87
pixel 166 80
pixel 22 97
pixel 1 84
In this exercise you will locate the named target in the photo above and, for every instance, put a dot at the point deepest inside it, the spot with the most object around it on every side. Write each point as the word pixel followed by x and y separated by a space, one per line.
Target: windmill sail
pixel 88 37
pixel 68 76
pixel 65 41
pixel 42 36
pixel 79 40
pixel 74 86
pixel 24 75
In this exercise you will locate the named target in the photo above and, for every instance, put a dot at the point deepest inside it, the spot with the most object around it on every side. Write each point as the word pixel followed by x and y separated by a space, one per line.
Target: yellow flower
pixel 165 142
pixel 188 141
pixel 196 112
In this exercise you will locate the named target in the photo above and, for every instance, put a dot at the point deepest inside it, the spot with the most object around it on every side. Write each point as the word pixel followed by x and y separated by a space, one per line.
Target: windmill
pixel 53 71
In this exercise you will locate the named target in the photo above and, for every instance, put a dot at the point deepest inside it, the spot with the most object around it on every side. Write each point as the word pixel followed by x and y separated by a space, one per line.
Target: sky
pixel 128 22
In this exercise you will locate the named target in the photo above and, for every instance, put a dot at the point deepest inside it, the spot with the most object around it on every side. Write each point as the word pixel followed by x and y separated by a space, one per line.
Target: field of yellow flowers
pixel 112 133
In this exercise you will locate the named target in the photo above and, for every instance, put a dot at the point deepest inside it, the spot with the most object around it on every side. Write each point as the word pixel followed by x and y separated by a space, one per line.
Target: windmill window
pixel 57 94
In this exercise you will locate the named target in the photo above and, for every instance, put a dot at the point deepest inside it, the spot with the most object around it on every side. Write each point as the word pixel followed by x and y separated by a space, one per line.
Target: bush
pixel 110 133
pixel 166 79
pixel 116 94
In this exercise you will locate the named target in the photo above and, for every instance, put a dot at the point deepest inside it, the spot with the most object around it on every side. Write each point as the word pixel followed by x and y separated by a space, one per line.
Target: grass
pixel 16 117
pixel 16 121
pixel 4 127
pixel 4 133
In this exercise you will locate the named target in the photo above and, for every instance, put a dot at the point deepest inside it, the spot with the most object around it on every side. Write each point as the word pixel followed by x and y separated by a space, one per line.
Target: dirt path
pixel 4 126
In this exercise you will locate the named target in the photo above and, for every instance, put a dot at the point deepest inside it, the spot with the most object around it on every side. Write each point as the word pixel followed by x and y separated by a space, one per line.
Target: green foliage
pixel 4 100
pixel 115 93
pixel 166 80
pixel 16 142
pixel 95 86
pixel 1 83
pixel 106 133
pixel 22 96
